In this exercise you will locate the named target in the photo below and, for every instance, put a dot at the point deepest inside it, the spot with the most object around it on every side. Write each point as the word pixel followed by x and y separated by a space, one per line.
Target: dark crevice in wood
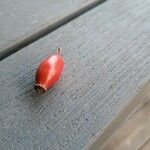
pixel 46 30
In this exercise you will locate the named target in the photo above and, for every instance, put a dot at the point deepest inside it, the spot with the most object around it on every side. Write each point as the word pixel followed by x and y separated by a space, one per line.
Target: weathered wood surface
pixel 137 135
pixel 18 19
pixel 107 61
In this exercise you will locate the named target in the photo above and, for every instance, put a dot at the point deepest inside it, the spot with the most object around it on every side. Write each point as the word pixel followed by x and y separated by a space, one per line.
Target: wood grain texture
pixel 107 61
pixel 137 135
pixel 19 19
pixel 46 29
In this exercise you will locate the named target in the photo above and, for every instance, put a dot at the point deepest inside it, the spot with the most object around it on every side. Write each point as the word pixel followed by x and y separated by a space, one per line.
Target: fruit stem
pixel 59 51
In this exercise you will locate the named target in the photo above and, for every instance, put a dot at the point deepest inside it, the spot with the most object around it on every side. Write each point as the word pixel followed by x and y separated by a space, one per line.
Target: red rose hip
pixel 49 72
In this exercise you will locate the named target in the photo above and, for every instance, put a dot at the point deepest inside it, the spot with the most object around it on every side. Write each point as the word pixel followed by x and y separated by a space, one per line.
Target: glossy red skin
pixel 49 71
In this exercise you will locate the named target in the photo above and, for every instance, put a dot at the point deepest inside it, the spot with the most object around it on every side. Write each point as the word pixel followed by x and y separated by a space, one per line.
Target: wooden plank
pixel 107 61
pixel 137 135
pixel 21 19
pixel 104 140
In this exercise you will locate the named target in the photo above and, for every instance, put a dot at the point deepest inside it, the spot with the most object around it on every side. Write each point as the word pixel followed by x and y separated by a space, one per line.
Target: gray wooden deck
pixel 23 22
pixel 21 18
pixel 107 61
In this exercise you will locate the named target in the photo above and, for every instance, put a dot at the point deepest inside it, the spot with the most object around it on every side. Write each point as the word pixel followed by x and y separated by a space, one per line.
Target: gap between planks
pixel 7 51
